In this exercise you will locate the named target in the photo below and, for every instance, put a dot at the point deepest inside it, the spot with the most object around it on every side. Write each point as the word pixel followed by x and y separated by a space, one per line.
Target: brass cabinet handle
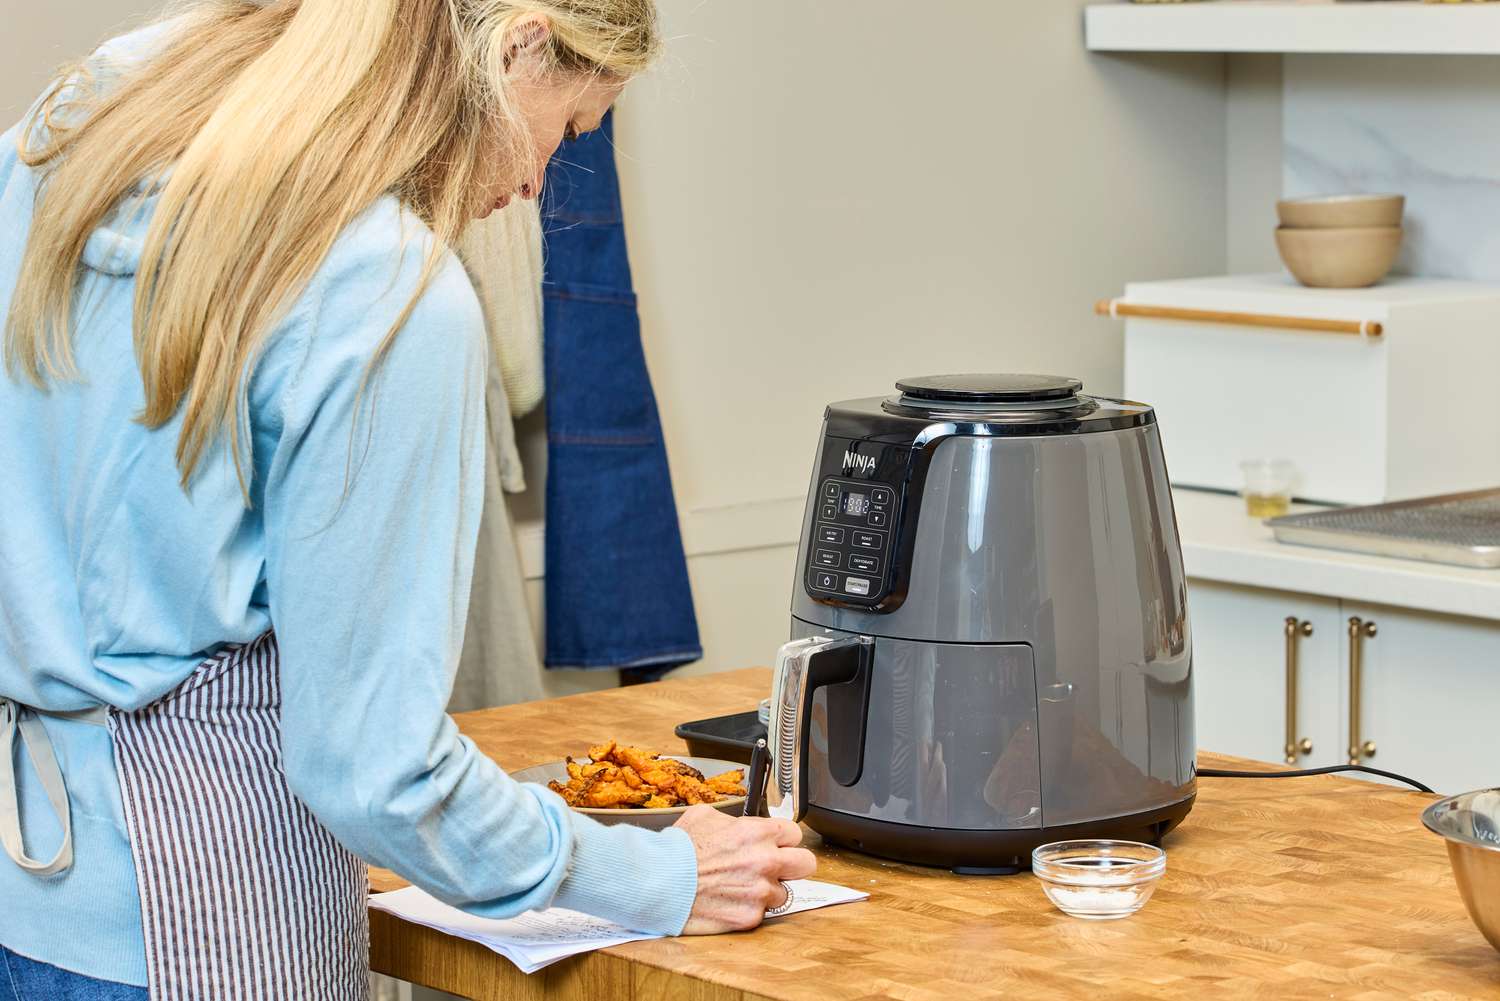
pixel 1359 631
pixel 1294 628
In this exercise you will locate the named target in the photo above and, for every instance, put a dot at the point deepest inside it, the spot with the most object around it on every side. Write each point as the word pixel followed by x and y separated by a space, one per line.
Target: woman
pixel 243 471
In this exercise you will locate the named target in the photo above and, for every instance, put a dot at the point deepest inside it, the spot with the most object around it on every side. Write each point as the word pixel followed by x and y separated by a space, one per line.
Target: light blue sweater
pixel 114 583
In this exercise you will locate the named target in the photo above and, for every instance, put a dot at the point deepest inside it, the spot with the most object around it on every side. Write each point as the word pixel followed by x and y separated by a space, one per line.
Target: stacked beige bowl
pixel 1340 241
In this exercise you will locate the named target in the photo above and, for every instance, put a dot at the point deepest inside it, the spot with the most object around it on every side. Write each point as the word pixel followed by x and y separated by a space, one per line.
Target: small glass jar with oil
pixel 1268 486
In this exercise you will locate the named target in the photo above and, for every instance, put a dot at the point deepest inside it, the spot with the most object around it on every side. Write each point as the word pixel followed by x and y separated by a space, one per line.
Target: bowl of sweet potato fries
pixel 619 784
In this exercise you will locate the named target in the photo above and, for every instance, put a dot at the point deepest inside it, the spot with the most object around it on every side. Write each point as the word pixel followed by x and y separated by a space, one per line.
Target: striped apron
pixel 243 893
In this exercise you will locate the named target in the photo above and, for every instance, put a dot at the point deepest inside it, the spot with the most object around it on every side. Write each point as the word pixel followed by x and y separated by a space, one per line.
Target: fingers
pixel 788 834
pixel 700 817
pixel 795 863
pixel 781 833
pixel 742 862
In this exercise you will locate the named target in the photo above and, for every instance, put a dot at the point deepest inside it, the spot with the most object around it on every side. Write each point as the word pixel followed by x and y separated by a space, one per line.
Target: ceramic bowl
pixel 1339 258
pixel 1470 823
pixel 653 820
pixel 1341 211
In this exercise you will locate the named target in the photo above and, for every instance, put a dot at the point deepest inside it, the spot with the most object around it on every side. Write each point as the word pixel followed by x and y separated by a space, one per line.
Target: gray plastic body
pixel 1038 672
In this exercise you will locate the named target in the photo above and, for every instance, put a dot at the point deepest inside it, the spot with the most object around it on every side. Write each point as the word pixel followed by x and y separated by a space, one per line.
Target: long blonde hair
pixel 279 122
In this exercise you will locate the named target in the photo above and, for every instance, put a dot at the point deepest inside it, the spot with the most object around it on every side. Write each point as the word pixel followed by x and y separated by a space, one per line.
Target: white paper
pixel 809 895
pixel 539 938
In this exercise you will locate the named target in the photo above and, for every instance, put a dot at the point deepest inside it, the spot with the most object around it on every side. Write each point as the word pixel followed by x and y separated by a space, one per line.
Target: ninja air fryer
pixel 990 646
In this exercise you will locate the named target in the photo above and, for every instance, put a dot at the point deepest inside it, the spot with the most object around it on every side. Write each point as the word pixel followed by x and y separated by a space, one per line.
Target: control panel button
pixel 856 585
pixel 828 512
pixel 864 564
pixel 826 581
pixel 877 518
pixel 831 490
pixel 880 495
pixel 831 534
pixel 869 540
pixel 826 558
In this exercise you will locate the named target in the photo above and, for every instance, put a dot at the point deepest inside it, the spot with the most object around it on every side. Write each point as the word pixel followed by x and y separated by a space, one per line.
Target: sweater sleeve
pixel 372 504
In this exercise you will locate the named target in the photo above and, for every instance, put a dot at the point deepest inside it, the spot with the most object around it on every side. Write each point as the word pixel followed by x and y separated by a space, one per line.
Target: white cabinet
pixel 1428 685
pixel 1363 418
pixel 1429 695
pixel 1240 672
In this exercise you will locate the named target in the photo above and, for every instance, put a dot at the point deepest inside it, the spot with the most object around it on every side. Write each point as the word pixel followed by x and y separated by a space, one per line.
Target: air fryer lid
pixel 1012 399
pixel 967 390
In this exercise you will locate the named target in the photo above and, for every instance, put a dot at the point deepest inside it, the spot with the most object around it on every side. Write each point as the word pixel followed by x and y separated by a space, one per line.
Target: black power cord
pixel 1227 773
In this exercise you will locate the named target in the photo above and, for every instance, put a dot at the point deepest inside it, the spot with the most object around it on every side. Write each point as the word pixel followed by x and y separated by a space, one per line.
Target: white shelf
pixel 1371 26
pixel 1221 543
pixel 1280 294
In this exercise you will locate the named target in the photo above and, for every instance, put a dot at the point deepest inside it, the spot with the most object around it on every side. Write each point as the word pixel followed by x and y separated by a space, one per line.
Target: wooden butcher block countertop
pixel 1313 887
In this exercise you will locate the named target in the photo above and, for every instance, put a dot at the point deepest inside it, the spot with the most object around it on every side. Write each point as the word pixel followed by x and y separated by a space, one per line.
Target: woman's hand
pixel 741 862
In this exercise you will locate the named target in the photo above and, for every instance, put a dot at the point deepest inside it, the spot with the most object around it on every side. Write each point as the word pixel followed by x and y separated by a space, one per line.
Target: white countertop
pixel 1221 543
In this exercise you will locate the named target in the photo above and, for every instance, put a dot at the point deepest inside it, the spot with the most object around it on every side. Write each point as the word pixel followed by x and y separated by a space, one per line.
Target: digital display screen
pixel 856 504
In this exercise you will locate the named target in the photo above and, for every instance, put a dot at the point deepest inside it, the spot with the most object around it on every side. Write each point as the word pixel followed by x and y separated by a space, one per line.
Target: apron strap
pixel 16 718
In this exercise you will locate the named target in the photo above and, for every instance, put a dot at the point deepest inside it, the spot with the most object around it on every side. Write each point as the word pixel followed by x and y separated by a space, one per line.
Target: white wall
pixel 1425 126
pixel 1253 126
pixel 824 197
pixel 37 38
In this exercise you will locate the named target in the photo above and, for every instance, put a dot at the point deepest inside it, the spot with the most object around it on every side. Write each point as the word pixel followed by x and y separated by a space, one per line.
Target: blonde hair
pixel 279 122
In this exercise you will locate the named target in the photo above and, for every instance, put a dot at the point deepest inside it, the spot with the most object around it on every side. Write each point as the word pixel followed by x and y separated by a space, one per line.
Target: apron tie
pixel 16 718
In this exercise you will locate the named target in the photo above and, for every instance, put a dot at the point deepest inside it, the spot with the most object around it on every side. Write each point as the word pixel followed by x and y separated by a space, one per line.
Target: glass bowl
pixel 1098 880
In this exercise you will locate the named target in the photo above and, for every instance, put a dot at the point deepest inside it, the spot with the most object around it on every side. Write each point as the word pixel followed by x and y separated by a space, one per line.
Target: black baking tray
pixel 730 738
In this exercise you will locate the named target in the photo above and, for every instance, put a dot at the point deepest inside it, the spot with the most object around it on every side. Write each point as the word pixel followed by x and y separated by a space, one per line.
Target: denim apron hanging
pixel 616 583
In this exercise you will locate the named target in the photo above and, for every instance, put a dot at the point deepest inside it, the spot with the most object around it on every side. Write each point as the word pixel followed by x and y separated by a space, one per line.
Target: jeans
pixel 23 979
pixel 616 583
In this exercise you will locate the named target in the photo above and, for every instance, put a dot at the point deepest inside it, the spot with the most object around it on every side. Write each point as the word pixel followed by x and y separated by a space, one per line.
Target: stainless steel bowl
pixel 1470 823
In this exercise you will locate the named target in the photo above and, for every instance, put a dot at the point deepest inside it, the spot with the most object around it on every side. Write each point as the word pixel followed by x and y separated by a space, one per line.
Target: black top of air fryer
pixel 1005 405
pixel 991 388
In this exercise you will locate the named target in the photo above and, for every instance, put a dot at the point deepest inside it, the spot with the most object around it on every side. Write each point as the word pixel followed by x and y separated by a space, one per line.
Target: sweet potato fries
pixel 628 778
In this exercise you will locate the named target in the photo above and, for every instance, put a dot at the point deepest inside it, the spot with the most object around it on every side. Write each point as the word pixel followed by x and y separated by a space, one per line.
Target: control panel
pixel 849 555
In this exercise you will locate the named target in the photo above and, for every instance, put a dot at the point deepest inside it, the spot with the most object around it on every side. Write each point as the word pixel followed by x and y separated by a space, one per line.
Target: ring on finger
pixel 785 905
